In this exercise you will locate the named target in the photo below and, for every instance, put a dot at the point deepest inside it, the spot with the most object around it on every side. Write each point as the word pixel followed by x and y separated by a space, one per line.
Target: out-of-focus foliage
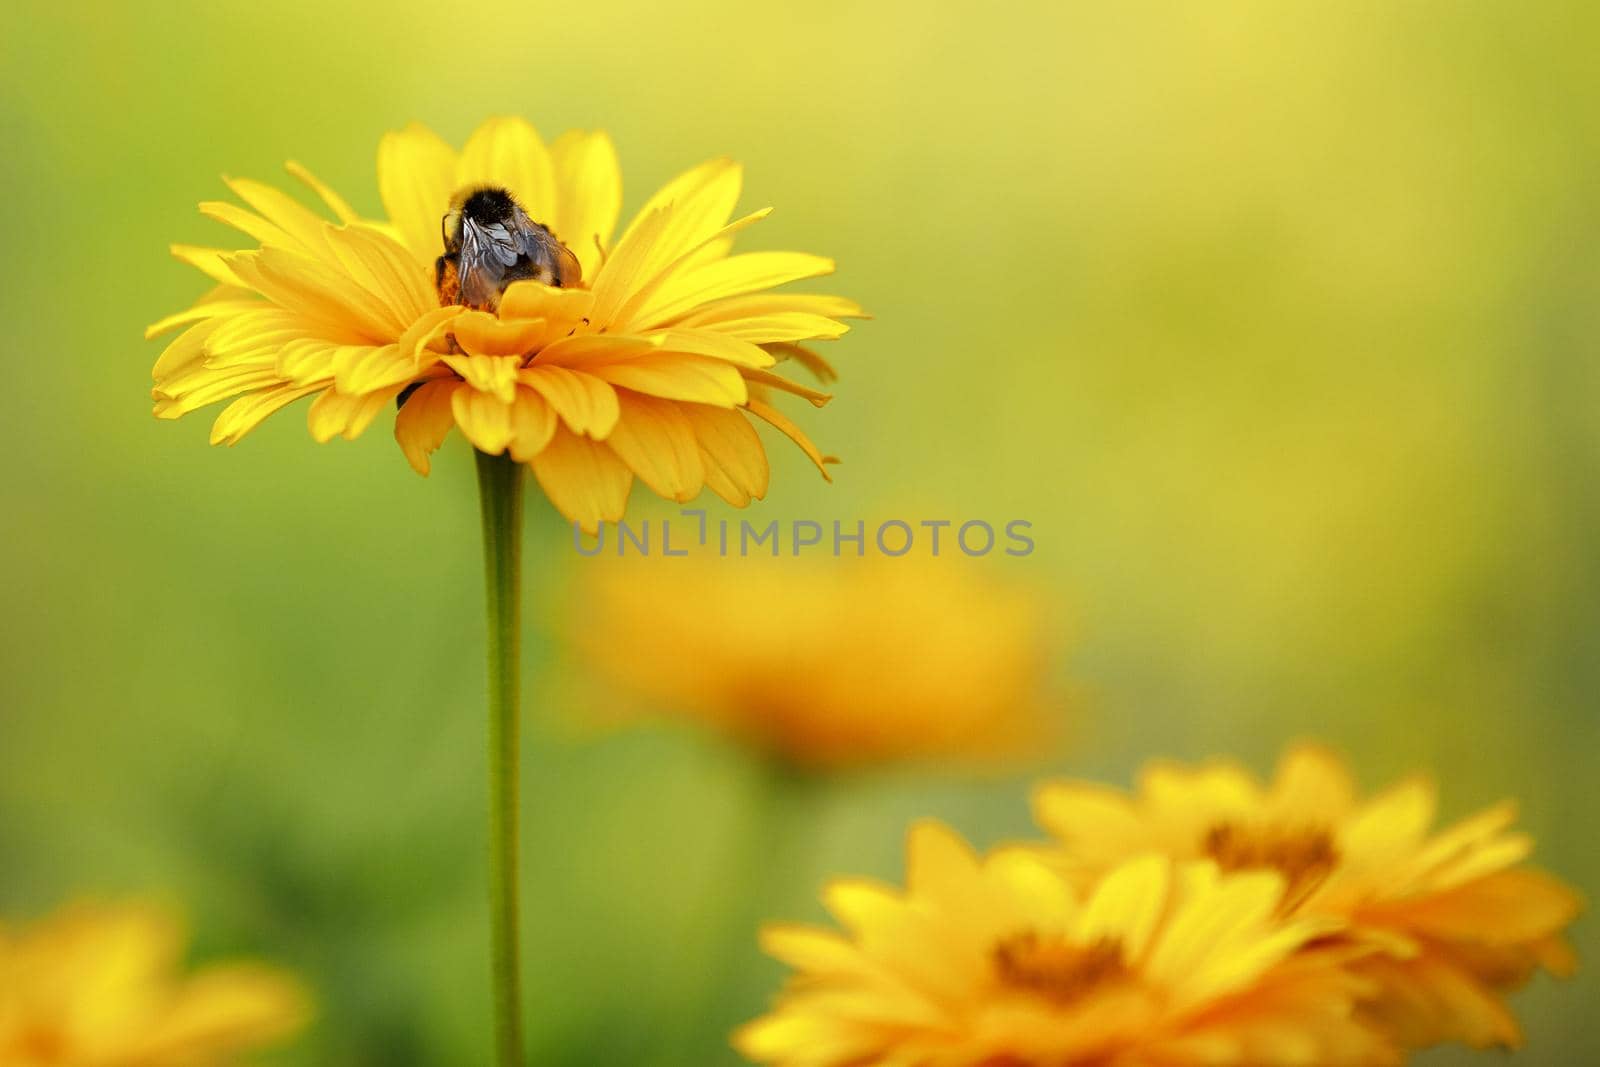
pixel 1278 321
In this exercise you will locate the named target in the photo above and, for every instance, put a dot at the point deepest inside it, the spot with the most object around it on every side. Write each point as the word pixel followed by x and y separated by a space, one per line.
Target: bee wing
pixel 486 253
pixel 544 251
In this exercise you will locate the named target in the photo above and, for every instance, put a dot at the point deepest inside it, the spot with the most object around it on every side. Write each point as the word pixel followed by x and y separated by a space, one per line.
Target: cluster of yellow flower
pixel 1207 919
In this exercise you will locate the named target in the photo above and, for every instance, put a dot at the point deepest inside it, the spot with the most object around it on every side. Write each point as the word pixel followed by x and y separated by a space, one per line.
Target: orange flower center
pixel 1305 856
pixel 1057 969
pixel 39 1043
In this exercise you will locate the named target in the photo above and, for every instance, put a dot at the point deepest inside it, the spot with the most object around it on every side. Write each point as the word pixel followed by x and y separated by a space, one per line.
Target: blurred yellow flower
pixel 1001 962
pixel 1462 922
pixel 646 366
pixel 824 664
pixel 100 986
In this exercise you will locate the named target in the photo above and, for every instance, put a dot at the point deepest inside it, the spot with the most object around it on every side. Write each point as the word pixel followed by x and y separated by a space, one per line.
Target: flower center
pixel 1305 856
pixel 40 1043
pixel 1055 968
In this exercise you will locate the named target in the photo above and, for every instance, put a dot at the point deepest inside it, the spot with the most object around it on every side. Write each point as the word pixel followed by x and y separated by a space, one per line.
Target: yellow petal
pixel 734 276
pixel 245 413
pixel 319 292
pixel 658 281
pixel 484 418
pixel 416 177
pixel 495 375
pixel 209 261
pixel 713 344
pixel 1126 905
pixel 788 327
pixel 757 305
pixel 358 370
pixel 713 172
pixel 773 381
pixel 627 268
pixel 336 203
pixel 678 377
pixel 283 211
pixel 779 421
pixel 820 368
pixel 424 421
pixel 247 222
pixel 585 403
pixel 382 267
pixel 1312 786
pixel 593 349
pixel 199 313
pixel 656 440
pixel 535 300
pixel 590 195
pixel 508 152
pixel 584 479
pixel 339 414
pixel 480 333
pixel 533 423
pixel 734 459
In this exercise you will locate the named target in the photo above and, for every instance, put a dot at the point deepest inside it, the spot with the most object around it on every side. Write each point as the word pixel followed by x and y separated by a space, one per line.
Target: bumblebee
pixel 490 242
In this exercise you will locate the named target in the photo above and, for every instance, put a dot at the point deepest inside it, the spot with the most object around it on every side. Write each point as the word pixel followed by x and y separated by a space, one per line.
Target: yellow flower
pixel 1001 962
pixel 648 366
pixel 823 665
pixel 100 986
pixel 1463 922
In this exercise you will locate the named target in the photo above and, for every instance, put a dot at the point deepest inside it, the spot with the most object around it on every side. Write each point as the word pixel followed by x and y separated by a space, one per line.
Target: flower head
pixel 1000 961
pixel 1461 919
pixel 824 665
pixel 642 361
pixel 100 986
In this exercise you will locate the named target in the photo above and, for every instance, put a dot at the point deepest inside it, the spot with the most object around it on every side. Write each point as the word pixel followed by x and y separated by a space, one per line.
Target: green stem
pixel 500 497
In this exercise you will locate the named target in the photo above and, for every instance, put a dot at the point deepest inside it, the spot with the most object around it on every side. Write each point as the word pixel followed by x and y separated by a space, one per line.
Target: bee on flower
pixel 496 299
pixel 1460 920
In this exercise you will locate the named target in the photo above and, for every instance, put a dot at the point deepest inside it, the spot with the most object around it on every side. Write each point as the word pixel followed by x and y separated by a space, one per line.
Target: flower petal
pixel 590 195
pixel 425 419
pixel 343 415
pixel 731 452
pixel 533 423
pixel 245 413
pixel 484 418
pixel 584 402
pixel 678 377
pixel 416 177
pixel 657 441
pixel 508 152
pixel 781 422
pixel 584 479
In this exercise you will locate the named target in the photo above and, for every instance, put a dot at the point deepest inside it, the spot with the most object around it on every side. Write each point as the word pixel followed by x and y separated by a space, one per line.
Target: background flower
pixel 98 985
pixel 1461 920
pixel 999 961
pixel 823 664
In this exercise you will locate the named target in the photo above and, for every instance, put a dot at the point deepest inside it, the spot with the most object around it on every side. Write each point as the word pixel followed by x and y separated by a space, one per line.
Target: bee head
pixel 485 205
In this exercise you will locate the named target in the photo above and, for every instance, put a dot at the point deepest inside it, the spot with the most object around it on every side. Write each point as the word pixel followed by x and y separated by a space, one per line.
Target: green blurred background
pixel 1278 320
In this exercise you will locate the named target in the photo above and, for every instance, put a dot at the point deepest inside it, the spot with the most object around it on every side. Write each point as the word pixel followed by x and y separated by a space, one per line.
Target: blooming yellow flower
pixel 1000 962
pixel 646 367
pixel 100 986
pixel 823 664
pixel 1462 920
